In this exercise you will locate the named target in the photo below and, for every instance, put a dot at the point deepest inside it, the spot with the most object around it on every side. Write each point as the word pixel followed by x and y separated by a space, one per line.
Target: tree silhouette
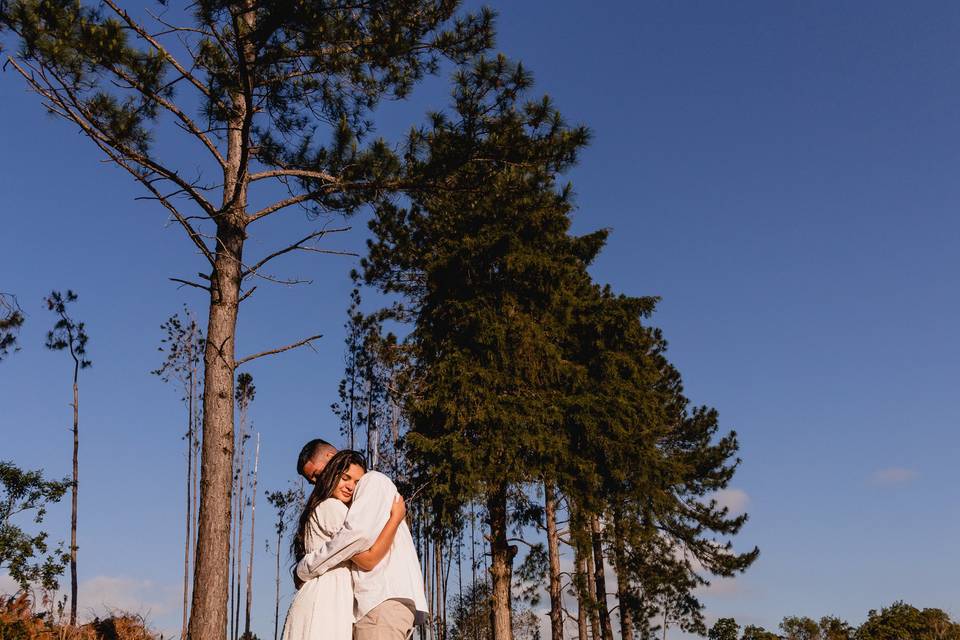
pixel 183 343
pixel 70 336
pixel 11 319
pixel 271 97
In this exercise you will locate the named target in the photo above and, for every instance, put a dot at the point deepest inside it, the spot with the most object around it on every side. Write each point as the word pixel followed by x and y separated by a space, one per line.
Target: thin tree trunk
pixel 446 581
pixel 253 519
pixel 473 544
pixel 241 508
pixel 553 551
pixel 438 586
pixel 189 518
pixel 197 419
pixel 73 496
pixel 233 552
pixel 501 565
pixel 582 588
pixel 606 628
pixel 371 453
pixel 623 581
pixel 353 389
pixel 591 592
pixel 276 611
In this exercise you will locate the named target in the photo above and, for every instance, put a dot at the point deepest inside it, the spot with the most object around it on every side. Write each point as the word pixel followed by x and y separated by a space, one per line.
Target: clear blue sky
pixel 783 174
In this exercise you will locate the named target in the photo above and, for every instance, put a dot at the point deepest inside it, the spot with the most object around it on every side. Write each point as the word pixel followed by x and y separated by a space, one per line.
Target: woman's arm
pixel 367 560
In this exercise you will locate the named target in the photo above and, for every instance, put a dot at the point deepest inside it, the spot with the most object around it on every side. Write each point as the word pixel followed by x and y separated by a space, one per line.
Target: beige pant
pixel 389 620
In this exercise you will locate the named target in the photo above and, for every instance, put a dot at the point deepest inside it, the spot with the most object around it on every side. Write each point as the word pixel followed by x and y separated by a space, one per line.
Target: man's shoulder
pixel 377 479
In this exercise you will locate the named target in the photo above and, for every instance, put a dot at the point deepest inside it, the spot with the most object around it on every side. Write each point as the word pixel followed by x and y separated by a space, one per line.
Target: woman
pixel 323 606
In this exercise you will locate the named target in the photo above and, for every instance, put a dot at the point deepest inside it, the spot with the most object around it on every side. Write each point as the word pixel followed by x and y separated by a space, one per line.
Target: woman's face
pixel 347 483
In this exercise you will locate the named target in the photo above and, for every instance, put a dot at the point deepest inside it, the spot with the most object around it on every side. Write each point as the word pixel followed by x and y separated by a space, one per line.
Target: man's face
pixel 316 464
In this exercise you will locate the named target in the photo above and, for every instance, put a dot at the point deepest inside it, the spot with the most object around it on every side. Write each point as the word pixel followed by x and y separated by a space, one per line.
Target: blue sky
pixel 782 174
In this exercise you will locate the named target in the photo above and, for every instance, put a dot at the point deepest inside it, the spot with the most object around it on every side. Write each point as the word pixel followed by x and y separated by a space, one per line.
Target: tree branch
pixel 298 245
pixel 72 105
pixel 247 294
pixel 296 173
pixel 189 284
pixel 75 115
pixel 175 110
pixel 277 350
pixel 166 54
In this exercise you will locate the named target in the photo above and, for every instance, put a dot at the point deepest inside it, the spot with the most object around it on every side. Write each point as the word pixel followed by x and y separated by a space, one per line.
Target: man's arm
pixel 369 511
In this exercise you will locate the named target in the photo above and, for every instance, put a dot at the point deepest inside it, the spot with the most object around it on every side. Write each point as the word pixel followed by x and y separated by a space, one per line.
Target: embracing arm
pixel 372 502
pixel 367 560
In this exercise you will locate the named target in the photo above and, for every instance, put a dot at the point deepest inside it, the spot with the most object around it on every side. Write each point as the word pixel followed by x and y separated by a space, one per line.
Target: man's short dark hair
pixel 309 451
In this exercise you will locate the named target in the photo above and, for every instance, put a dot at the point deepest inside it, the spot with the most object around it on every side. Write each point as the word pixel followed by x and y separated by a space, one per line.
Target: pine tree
pixel 286 504
pixel 253 521
pixel 244 395
pixel 753 632
pixel 483 266
pixel 183 344
pixel 11 319
pixel 70 336
pixel 265 93
pixel 643 467
pixel 724 629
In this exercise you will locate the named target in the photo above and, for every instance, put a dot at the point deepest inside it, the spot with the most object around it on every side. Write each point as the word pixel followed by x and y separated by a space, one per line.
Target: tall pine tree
pixel 484 266
pixel 269 97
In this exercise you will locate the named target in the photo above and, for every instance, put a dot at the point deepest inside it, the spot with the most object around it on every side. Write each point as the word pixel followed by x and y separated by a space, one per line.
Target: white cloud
pixel 892 476
pixel 103 594
pixel 722 587
pixel 734 499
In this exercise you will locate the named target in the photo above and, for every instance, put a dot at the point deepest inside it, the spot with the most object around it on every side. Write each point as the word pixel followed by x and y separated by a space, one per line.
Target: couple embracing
pixel 357 572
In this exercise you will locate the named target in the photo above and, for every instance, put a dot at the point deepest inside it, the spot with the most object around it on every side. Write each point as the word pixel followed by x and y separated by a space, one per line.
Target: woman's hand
pixel 399 509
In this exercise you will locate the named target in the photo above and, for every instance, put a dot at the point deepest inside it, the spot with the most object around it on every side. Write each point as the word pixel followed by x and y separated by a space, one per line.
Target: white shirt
pixel 395 577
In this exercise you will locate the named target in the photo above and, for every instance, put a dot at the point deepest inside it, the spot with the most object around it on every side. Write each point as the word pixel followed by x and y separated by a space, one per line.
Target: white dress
pixel 323 607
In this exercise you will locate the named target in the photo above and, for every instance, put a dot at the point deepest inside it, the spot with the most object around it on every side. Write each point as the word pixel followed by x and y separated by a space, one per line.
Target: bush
pixel 18 621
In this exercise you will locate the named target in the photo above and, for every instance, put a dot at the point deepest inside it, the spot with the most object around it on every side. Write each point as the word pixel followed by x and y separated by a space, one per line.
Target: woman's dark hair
pixel 324 487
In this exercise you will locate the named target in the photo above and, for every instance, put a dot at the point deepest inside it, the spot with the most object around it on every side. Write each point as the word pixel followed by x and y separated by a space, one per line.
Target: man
pixel 313 458
pixel 388 599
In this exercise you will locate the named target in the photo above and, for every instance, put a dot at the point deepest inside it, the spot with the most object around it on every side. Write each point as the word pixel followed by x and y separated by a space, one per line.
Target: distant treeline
pixel 899 621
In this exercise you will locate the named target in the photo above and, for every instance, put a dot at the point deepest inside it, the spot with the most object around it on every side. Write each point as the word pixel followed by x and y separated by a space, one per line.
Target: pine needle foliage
pixel 263 98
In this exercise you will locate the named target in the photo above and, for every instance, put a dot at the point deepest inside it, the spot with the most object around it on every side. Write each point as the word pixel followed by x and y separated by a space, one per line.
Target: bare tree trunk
pixel 623 581
pixel 231 603
pixel 371 443
pixel 446 581
pixel 438 586
pixel 197 418
pixel 189 518
pixel 591 594
pixel 353 389
pixel 601 580
pixel 253 520
pixel 582 589
pixel 73 495
pixel 553 551
pixel 473 543
pixel 276 611
pixel 241 508
pixel 501 565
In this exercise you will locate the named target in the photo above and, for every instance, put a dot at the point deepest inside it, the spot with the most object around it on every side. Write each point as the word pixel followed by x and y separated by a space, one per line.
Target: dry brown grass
pixel 19 621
